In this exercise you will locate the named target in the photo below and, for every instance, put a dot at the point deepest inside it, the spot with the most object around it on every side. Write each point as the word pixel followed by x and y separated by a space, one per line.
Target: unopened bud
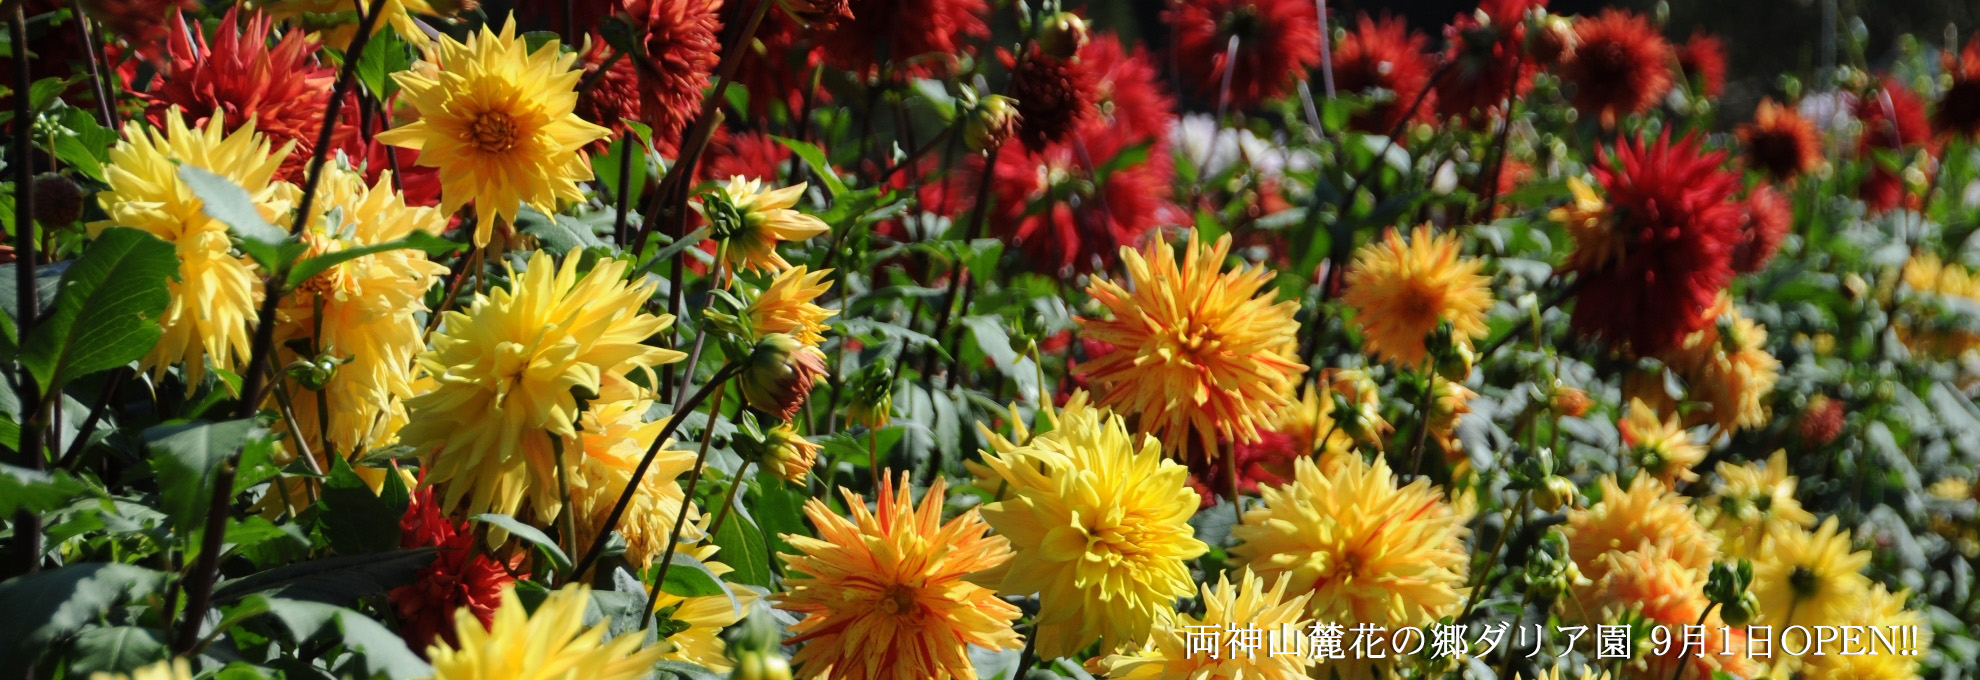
pixel 1739 612
pixel 1568 402
pixel 761 664
pixel 1554 493
pixel 872 397
pixel 991 124
pixel 1061 35
pixel 58 202
pixel 779 375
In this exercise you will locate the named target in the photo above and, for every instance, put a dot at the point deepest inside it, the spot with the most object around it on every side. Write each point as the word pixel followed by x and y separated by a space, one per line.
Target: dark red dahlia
pixel 1266 462
pixel 909 37
pixel 459 576
pixel 239 78
pixel 1128 96
pixel 681 41
pixel 1053 96
pixel 1959 109
pixel 1780 142
pixel 1767 218
pixel 1893 118
pixel 1884 190
pixel 1703 59
pixel 1384 58
pixel 1051 206
pixel 1487 59
pixel 753 155
pixel 1277 42
pixel 1621 66
pixel 613 97
pixel 1675 211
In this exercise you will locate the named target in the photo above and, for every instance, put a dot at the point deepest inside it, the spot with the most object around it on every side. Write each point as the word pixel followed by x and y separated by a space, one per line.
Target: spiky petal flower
pixel 753 221
pixel 1878 609
pixel 682 39
pixel 1768 219
pixel 1487 57
pixel 1959 108
pixel 460 578
pixel 1661 446
pixel 614 97
pixel 1065 218
pixel 1621 66
pixel 1780 142
pixel 499 123
pixel 1384 59
pixel 1808 578
pixel 1645 517
pixel 1655 589
pixel 1197 354
pixel 614 435
pixel 216 292
pixel 507 369
pixel 237 77
pixel 549 643
pixel 1703 59
pixel 1101 530
pixel 1675 222
pixel 1247 604
pixel 1402 292
pixel 1277 41
pixel 786 306
pixel 885 594
pixel 1053 97
pixel 1749 500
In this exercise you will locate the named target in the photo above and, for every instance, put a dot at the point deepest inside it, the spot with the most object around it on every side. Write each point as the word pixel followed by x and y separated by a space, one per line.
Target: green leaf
pixel 688 577
pixel 47 606
pixel 357 519
pixel 342 580
pixel 377 649
pixel 559 234
pixel 117 649
pixel 418 240
pixel 27 490
pixel 383 56
pixel 606 168
pixel 221 199
pixel 186 458
pixel 742 547
pixel 106 314
pixel 778 511
pixel 681 670
pixel 528 533
pixel 42 93
pixel 660 257
pixel 821 167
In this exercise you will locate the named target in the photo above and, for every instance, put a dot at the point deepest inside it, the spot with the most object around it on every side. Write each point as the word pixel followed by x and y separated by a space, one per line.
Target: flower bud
pixel 1454 364
pixel 787 454
pixel 58 202
pixel 1061 35
pixel 991 124
pixel 1568 402
pixel 872 397
pixel 1554 493
pixel 761 664
pixel 779 375
pixel 1739 612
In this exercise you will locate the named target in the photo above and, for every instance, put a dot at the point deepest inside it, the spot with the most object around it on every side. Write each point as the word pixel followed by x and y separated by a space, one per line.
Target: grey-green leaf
pixel 186 458
pixel 223 200
pixel 529 533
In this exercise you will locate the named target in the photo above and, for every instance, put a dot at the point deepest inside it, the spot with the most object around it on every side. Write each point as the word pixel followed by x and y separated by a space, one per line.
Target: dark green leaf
pixel 23 489
pixel 117 649
pixel 47 606
pixel 383 56
pixel 378 649
pixel 357 519
pixel 528 533
pixel 106 314
pixel 778 511
pixel 821 167
pixel 688 577
pixel 332 580
pixel 742 547
pixel 186 458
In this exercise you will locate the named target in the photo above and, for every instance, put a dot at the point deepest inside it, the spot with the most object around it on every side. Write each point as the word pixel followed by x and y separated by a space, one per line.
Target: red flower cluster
pixel 1621 66
pixel 458 577
pixel 1384 56
pixel 1488 64
pixel 681 38
pixel 1893 120
pixel 1704 62
pixel 613 97
pixel 743 154
pixel 1053 96
pixel 1277 42
pixel 239 78
pixel 1674 208
pixel 1266 462
pixel 909 37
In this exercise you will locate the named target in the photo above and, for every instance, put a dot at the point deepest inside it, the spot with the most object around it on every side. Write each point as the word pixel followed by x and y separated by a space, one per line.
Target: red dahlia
pixel 680 37
pixel 1621 66
pixel 1051 206
pixel 1278 41
pixel 1268 462
pixel 1766 220
pixel 1384 58
pixel 1959 109
pixel 459 576
pixel 910 37
pixel 1893 118
pixel 613 97
pixel 780 72
pixel 1703 59
pixel 239 78
pixel 1128 96
pixel 1053 96
pixel 1487 59
pixel 1674 208
pixel 753 155
pixel 1780 142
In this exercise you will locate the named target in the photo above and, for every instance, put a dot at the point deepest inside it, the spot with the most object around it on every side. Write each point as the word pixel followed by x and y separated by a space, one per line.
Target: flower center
pixel 494 132
pixel 1804 582
pixel 897 600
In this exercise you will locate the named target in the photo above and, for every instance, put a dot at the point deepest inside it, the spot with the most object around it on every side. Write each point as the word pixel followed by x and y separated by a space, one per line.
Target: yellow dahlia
pixel 886 595
pixel 612 437
pixel 1750 500
pixel 507 370
pixel 1199 355
pixel 1587 220
pixel 693 626
pixel 1726 366
pixel 1310 423
pixel 1929 277
pixel 1367 550
pixel 550 643
pixel 1664 592
pixel 1895 656
pixel 498 122
pixel 789 456
pixel 1401 292
pixel 753 221
pixel 363 312
pixel 1015 451
pixel 1661 446
pixel 1281 620
pixel 215 296
pixel 336 23
pixel 1646 517
pixel 171 669
pixel 1805 578
pixel 1101 529
pixel 787 306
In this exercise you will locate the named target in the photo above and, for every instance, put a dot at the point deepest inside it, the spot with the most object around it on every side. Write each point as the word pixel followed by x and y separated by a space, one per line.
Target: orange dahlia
pixel 1646 517
pixel 1385 60
pixel 1277 42
pixel 1402 292
pixel 885 595
pixel 1621 66
pixel 1780 142
pixel 1200 355
pixel 1667 593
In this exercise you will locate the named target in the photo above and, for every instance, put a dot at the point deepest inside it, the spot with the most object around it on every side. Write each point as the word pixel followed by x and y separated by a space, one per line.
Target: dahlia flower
pixel 1277 42
pixel 498 122
pixel 1053 96
pixel 1101 531
pixel 1387 61
pixel 1882 609
pixel 1198 355
pixel 787 306
pixel 1821 422
pixel 1065 219
pixel 1674 222
pixel 613 97
pixel 760 220
pixel 238 78
pixel 682 39
pixel 461 577
pixel 1661 446
pixel 886 594
pixel 1808 578
pixel 1749 500
pixel 549 643
pixel 1244 605
pixel 749 155
pixel 1130 100
pixel 1665 592
pixel 216 293
pixel 1621 66
pixel 613 435
pixel 1644 518
pixel 1780 142
pixel 1769 216
pixel 507 369
pixel 1488 61
pixel 1703 60
pixel 1402 292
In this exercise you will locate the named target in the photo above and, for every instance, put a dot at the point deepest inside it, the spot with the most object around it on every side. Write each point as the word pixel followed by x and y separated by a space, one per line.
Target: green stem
pixel 687 501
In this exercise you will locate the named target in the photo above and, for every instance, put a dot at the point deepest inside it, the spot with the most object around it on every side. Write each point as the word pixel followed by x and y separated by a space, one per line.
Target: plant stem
pixel 96 80
pixel 639 472
pixel 729 498
pixel 566 520
pixel 687 501
pixel 27 525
